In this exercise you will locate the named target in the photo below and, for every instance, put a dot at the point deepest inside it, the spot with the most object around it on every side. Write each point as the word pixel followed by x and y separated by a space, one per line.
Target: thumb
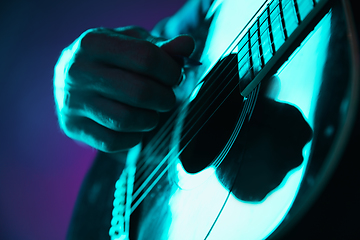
pixel 182 45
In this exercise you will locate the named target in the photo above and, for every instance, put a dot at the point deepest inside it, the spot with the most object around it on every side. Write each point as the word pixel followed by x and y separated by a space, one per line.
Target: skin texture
pixel 115 83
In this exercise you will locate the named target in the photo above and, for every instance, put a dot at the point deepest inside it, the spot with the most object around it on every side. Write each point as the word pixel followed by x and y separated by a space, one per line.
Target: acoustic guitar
pixel 256 138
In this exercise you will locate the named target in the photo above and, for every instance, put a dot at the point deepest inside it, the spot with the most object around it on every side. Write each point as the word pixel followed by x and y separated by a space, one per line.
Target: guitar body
pixel 247 166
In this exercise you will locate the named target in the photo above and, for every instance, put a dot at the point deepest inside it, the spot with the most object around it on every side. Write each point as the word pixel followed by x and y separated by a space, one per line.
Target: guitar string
pixel 219 66
pixel 147 191
pixel 237 37
pixel 193 116
pixel 248 115
pixel 250 56
pixel 156 180
pixel 160 177
pixel 213 100
pixel 227 48
pixel 160 139
pixel 145 183
pixel 247 106
pixel 252 104
pixel 254 42
pixel 218 213
pixel 148 150
pixel 157 168
pixel 159 165
pixel 257 41
pixel 227 198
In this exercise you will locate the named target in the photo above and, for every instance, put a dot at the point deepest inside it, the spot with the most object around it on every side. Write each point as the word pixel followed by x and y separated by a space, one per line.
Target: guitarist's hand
pixel 110 84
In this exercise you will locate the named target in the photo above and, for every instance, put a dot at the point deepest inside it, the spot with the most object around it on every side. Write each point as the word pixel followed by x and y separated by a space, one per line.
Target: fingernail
pixel 181 78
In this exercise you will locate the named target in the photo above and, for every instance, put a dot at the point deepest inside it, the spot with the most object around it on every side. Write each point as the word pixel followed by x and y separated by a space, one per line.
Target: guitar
pixel 257 136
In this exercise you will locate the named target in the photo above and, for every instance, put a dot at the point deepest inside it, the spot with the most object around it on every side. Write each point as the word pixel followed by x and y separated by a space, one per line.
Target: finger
pixel 112 114
pixel 99 137
pixel 134 31
pixel 132 54
pixel 182 45
pixel 120 117
pixel 123 86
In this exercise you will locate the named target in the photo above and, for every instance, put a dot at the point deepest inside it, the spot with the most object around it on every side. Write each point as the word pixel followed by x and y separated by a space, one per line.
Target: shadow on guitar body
pixel 267 147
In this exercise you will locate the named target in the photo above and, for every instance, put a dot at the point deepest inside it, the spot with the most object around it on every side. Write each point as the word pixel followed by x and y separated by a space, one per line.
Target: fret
pixel 286 22
pixel 255 42
pixel 252 74
pixel 290 19
pixel 282 19
pixel 243 57
pixel 261 53
pixel 298 18
pixel 271 36
pixel 275 19
pixel 268 33
pixel 265 38
pixel 305 7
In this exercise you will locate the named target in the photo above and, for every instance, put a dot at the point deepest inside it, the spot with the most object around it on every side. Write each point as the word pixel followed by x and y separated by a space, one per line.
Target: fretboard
pixel 273 35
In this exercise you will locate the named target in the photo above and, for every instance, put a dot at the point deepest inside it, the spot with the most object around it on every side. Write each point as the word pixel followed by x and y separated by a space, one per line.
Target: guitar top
pixel 259 129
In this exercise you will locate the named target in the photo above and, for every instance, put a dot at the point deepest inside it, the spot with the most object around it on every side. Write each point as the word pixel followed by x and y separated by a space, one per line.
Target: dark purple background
pixel 41 169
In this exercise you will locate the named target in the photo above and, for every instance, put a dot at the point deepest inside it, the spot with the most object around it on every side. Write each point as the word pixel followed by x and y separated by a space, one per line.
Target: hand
pixel 110 84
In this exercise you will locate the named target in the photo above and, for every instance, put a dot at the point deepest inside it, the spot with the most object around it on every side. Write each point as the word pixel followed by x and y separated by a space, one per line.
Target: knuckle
pixel 133 31
pixel 115 123
pixel 110 145
pixel 78 72
pixel 93 38
pixel 73 69
pixel 68 126
pixel 125 122
pixel 88 38
pixel 69 103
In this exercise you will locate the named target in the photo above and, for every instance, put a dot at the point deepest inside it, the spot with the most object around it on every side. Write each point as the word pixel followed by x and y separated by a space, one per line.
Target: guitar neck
pixel 273 36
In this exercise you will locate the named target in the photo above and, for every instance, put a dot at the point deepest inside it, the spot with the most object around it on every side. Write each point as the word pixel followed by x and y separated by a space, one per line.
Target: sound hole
pixel 212 116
